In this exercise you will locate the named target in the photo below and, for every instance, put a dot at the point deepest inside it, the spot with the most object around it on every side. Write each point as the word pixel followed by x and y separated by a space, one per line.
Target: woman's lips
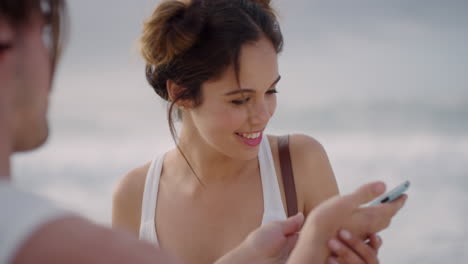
pixel 252 142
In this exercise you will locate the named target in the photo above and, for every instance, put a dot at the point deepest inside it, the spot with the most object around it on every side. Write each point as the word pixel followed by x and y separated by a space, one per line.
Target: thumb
pixel 293 224
pixel 366 193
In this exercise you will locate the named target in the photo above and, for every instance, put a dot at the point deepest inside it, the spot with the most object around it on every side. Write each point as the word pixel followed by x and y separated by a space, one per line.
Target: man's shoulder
pixel 14 200
pixel 22 214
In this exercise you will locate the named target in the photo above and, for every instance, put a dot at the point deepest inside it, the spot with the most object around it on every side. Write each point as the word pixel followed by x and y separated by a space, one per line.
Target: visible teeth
pixel 252 135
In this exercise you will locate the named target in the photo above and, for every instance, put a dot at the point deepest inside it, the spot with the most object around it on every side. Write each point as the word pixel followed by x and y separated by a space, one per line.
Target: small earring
pixel 181 108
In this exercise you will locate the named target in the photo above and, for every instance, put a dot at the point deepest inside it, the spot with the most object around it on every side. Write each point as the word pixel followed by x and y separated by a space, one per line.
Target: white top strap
pixel 150 195
pixel 273 204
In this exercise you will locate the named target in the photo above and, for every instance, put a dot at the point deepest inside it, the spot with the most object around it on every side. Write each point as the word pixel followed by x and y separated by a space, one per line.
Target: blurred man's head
pixel 29 47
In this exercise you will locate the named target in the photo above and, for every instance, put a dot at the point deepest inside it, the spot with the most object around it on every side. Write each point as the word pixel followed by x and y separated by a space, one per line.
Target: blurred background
pixel 381 84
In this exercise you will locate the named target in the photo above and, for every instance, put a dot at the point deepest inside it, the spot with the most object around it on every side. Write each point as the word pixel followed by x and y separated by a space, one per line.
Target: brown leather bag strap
pixel 287 174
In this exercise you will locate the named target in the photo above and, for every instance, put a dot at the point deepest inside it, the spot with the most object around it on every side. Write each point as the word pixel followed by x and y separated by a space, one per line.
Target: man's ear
pixel 174 90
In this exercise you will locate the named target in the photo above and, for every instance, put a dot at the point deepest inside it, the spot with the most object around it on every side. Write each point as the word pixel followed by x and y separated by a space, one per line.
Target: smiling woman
pixel 216 64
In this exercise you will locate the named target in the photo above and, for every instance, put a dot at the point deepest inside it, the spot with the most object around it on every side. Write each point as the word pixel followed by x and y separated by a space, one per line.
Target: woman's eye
pixel 272 91
pixel 240 102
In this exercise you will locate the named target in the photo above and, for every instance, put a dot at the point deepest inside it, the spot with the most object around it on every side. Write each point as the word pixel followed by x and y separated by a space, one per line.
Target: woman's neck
pixel 210 165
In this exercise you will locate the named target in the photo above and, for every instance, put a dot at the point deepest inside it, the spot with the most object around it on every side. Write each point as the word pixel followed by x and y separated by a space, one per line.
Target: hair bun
pixel 169 32
pixel 266 5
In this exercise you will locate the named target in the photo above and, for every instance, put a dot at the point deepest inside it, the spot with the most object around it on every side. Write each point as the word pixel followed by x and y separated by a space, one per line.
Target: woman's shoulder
pixel 309 159
pixel 313 175
pixel 127 199
pixel 300 144
pixel 133 182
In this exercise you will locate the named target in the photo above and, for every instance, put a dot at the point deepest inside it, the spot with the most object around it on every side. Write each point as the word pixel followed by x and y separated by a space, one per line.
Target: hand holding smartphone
pixel 390 195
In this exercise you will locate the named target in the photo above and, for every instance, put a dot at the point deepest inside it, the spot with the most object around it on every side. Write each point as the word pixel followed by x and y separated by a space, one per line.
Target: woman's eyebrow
pixel 251 90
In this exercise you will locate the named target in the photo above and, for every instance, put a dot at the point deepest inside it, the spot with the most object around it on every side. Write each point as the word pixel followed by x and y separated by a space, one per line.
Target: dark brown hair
pixel 190 42
pixel 18 13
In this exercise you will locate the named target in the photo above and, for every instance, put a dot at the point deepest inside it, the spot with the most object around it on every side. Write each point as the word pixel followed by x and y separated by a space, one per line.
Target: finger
pixel 291 242
pixel 375 242
pixel 360 248
pixel 332 260
pixel 293 224
pixel 344 253
pixel 379 217
pixel 366 193
pixel 398 203
pixel 389 210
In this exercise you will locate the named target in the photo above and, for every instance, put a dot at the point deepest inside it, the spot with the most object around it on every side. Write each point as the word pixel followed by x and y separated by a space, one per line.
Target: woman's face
pixel 233 116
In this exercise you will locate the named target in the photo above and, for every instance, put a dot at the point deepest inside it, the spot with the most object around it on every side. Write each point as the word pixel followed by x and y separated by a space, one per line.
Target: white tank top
pixel 272 202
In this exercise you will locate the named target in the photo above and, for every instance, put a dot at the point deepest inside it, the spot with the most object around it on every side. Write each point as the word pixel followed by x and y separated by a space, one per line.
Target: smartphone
pixel 390 195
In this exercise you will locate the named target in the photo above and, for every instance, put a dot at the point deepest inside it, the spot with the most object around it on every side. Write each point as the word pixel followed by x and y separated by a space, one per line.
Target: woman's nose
pixel 259 113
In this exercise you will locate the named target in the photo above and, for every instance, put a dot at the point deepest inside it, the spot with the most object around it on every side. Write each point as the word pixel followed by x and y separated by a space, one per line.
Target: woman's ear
pixel 174 90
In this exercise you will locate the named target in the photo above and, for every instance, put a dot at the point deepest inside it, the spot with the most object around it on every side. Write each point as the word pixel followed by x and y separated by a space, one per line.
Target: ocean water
pixel 382 85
